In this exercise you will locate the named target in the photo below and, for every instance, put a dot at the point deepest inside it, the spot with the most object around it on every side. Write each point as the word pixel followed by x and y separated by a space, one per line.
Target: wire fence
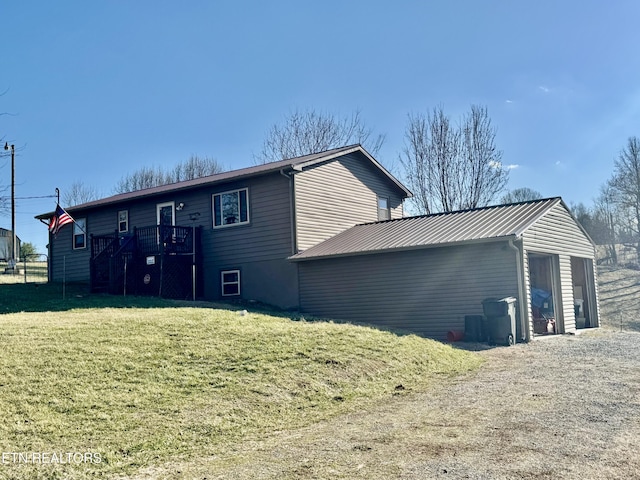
pixel 31 269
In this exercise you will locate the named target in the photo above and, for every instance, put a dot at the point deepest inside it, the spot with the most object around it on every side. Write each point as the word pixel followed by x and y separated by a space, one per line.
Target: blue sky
pixel 95 90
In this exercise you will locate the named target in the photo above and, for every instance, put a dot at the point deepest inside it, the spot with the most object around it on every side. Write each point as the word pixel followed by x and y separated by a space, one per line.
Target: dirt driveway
pixel 564 407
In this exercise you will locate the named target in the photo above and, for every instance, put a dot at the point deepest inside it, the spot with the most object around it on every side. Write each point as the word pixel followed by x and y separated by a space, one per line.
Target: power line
pixel 29 198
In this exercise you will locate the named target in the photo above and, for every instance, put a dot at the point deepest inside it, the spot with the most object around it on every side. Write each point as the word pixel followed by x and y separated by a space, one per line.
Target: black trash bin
pixel 474 328
pixel 501 320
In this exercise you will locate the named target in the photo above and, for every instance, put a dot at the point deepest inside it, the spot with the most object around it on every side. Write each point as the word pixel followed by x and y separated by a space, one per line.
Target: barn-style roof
pixel 498 222
pixel 287 165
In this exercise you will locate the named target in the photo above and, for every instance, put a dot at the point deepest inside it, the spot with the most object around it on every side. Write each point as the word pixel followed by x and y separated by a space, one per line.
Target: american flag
pixel 60 219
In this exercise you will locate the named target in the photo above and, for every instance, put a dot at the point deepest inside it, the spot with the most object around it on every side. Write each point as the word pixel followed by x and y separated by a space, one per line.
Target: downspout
pixel 521 292
pixel 292 206
pixel 292 226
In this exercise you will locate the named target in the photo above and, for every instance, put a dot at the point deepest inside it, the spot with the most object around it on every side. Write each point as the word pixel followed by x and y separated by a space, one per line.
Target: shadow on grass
pixel 52 297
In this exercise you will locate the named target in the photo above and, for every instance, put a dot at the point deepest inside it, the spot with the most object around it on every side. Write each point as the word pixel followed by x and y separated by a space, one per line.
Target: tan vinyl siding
pixel 426 291
pixel 557 232
pixel 568 314
pixel 596 301
pixel 333 196
pixel 527 289
pixel 503 221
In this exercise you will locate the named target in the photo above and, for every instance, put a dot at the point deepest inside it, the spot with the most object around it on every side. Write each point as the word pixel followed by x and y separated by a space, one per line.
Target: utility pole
pixel 13 206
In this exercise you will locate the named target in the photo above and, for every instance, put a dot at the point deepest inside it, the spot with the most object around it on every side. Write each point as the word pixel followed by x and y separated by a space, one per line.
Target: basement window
pixel 230 280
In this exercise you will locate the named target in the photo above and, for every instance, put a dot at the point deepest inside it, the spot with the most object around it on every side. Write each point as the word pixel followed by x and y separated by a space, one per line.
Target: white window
pixel 123 221
pixel 230 280
pixel 230 208
pixel 383 209
pixel 80 233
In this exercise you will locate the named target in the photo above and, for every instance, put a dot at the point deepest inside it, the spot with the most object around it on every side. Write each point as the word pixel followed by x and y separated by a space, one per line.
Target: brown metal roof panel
pixel 432 230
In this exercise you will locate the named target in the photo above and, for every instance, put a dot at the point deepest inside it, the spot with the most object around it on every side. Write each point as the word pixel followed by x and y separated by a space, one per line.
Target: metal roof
pixel 292 164
pixel 465 226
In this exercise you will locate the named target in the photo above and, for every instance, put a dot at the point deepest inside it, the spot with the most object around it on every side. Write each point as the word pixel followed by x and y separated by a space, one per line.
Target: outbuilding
pixel 425 274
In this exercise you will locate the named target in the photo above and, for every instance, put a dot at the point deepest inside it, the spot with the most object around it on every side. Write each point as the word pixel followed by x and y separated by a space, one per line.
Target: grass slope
pixel 159 383
pixel 619 293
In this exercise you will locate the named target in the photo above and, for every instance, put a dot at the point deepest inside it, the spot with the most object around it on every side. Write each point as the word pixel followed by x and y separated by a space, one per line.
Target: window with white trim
pixel 166 213
pixel 231 208
pixel 123 221
pixel 230 281
pixel 80 233
pixel 383 209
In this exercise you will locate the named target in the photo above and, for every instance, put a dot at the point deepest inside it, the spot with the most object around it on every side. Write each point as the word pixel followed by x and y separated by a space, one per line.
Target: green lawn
pixel 145 382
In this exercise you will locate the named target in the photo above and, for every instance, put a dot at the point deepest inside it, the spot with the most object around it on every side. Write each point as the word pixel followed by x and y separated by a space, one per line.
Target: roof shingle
pixel 297 163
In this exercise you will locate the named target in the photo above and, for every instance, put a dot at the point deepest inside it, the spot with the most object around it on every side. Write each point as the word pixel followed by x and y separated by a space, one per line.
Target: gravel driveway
pixel 564 407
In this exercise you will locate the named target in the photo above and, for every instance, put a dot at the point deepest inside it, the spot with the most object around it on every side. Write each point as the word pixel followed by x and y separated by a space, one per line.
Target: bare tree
pixel 605 221
pixel 148 177
pixel 483 175
pixel 625 185
pixel 78 192
pixel 144 177
pixel 451 168
pixel 4 199
pixel 309 131
pixel 523 194
pixel 196 167
pixel 431 154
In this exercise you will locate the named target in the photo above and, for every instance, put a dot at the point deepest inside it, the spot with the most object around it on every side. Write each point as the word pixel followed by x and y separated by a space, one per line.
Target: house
pixel 426 274
pixel 325 234
pixel 226 236
pixel 6 239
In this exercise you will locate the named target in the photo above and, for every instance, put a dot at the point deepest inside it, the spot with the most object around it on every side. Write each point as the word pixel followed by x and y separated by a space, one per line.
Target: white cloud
pixel 544 89
pixel 500 165
pixel 562 166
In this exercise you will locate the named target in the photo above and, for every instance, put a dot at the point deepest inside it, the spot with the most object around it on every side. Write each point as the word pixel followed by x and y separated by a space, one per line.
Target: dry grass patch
pixel 145 387
pixel 29 272
pixel 619 293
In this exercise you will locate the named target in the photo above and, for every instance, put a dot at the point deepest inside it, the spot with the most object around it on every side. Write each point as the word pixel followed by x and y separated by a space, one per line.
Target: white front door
pixel 166 213
pixel 166 217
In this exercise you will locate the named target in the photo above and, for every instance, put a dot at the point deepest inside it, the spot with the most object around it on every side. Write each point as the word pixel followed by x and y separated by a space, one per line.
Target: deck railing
pixel 117 261
pixel 168 239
